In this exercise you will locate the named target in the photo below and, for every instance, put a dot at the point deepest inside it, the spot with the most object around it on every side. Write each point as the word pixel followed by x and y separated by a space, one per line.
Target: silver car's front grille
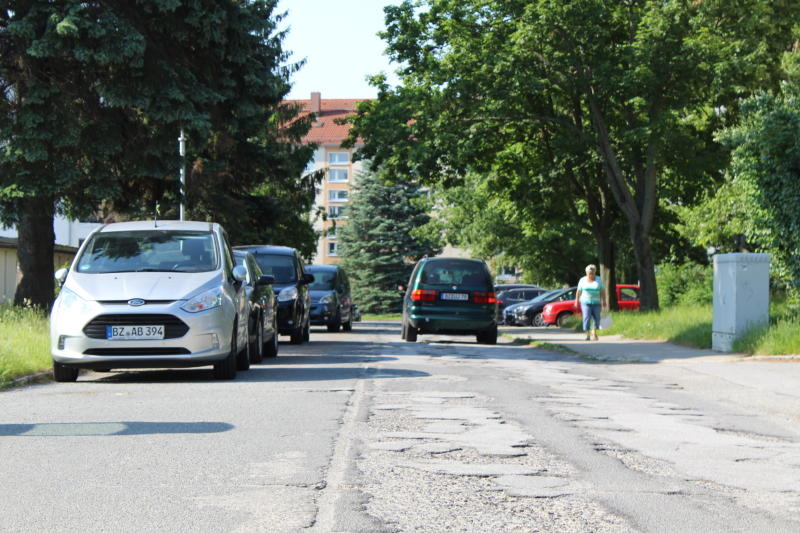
pixel 125 302
pixel 136 351
pixel 174 327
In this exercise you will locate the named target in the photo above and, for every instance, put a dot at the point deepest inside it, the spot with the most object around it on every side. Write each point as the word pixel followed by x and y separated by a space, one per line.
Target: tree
pixel 94 93
pixel 628 86
pixel 495 226
pixel 760 198
pixel 377 245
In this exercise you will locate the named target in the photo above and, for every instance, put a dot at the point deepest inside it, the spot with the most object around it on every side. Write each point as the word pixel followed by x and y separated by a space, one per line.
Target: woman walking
pixel 591 300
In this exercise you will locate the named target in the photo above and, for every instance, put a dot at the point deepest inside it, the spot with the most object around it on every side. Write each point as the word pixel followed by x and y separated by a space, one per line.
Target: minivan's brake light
pixel 423 295
pixel 483 297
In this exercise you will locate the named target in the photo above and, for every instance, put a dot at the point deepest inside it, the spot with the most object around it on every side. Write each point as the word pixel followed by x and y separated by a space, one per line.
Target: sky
pixel 339 42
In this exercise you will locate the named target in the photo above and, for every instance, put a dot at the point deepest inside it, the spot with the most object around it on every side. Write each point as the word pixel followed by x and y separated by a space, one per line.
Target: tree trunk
pixel 645 267
pixel 605 252
pixel 35 252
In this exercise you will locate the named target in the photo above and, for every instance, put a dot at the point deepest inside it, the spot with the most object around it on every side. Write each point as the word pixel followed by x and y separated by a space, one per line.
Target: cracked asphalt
pixel 361 432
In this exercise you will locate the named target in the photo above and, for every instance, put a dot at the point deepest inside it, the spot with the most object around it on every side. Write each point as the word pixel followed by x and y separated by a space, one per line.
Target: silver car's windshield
pixel 149 251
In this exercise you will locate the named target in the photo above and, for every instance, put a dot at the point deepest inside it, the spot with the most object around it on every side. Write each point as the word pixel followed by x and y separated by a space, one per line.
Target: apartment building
pixel 333 196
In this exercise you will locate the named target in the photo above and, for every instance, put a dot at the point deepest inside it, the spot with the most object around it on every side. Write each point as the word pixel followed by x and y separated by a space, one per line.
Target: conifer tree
pixel 377 244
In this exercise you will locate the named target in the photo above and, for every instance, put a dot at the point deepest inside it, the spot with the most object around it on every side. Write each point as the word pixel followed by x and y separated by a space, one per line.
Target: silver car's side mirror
pixel 239 273
pixel 61 275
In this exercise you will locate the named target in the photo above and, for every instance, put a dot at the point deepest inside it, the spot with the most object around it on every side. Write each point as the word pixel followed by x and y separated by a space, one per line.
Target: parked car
pixel 557 312
pixel 291 284
pixel 515 296
pixel 262 325
pixel 330 297
pixel 508 286
pixel 450 296
pixel 151 295
pixel 515 315
pixel 530 313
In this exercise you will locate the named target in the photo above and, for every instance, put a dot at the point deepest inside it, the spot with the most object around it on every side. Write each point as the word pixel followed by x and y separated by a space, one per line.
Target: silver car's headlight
pixel 287 294
pixel 70 302
pixel 328 298
pixel 203 302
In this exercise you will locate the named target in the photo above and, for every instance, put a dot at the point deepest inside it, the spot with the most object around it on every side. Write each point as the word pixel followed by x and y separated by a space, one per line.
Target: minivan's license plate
pixel 134 332
pixel 460 296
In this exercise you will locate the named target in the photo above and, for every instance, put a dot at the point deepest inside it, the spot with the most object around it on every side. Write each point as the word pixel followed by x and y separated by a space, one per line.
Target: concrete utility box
pixel 741 297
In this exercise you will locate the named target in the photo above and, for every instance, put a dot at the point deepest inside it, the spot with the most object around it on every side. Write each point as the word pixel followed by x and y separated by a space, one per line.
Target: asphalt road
pixel 363 432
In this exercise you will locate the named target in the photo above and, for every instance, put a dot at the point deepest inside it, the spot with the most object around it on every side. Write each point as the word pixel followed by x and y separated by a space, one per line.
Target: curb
pixel 39 377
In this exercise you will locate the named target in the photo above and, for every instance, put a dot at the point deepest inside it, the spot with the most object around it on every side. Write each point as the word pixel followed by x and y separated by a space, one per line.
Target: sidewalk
pixel 617 347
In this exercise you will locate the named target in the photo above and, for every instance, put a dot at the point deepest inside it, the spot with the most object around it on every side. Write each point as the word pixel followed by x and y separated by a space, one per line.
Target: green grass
pixel 690 325
pixel 682 324
pixel 24 342
pixel 381 316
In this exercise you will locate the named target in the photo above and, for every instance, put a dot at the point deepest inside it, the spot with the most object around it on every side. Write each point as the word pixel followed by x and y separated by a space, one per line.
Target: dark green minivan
pixel 450 296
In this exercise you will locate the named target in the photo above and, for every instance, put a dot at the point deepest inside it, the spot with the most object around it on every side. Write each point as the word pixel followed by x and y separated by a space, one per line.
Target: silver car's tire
pixel 226 368
pixel 63 373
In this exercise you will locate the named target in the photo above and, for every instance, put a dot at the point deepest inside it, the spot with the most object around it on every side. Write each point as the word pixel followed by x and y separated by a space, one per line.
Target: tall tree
pixel 760 198
pixel 378 243
pixel 95 92
pixel 633 84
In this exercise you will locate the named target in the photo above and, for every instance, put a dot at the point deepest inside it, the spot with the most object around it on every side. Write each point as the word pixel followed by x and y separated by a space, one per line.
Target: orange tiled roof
pixel 325 131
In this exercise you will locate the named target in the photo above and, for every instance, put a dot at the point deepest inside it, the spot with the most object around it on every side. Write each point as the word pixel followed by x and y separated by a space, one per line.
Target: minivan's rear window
pixel 281 267
pixel 149 251
pixel 454 272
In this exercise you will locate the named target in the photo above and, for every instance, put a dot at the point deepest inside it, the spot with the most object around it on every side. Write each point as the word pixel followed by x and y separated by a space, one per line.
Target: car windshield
pixel 454 272
pixel 280 267
pixel 149 251
pixel 547 295
pixel 323 280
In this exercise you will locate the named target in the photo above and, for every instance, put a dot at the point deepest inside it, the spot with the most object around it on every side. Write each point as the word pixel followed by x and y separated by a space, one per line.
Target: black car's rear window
pixel 454 272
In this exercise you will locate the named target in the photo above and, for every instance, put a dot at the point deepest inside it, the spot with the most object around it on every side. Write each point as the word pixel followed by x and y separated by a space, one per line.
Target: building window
pixel 337 175
pixel 338 158
pixel 331 232
pixel 333 249
pixel 336 211
pixel 337 195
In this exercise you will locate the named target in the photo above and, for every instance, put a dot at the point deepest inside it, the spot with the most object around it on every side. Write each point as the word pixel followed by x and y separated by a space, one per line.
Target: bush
pixel 689 283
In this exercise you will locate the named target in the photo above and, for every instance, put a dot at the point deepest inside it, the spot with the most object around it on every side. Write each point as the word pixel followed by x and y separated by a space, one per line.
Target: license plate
pixel 134 332
pixel 458 296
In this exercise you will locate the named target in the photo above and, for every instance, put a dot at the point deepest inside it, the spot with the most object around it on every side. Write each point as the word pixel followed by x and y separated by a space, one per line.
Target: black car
pixel 530 313
pixel 513 296
pixel 262 327
pixel 291 285
pixel 330 297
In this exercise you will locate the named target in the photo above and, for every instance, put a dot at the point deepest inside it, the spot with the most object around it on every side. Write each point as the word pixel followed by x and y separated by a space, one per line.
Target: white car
pixel 152 294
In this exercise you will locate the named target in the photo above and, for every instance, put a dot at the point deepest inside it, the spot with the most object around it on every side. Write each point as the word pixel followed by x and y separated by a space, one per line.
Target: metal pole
pixel 182 152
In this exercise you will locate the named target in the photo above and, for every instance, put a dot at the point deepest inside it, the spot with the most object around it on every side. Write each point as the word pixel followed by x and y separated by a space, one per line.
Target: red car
pixel 557 312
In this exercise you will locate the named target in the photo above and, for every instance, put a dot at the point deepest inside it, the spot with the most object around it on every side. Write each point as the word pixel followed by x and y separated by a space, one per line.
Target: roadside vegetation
pixel 24 342
pixel 382 316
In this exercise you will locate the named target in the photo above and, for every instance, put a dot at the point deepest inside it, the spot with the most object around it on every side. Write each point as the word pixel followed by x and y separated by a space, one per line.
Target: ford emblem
pixel 136 302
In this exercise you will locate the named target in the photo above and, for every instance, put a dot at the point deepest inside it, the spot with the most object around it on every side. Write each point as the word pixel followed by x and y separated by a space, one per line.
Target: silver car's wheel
pixel 63 373
pixel 226 368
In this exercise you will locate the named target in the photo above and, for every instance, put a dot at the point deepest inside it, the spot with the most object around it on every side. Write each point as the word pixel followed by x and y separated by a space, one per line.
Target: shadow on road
pixel 109 429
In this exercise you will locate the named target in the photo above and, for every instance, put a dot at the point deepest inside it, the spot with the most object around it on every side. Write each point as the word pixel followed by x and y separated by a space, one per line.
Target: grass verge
pixel 690 325
pixel 543 345
pixel 382 316
pixel 682 324
pixel 24 343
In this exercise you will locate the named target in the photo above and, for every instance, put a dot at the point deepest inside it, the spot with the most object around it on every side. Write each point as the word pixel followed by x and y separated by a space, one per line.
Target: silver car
pixel 154 294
